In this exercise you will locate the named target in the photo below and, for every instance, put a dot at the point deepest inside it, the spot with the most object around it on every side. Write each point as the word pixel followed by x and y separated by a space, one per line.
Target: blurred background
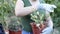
pixel 7 13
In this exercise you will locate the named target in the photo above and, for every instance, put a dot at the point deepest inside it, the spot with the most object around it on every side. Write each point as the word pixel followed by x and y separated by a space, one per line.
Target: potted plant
pixel 14 26
pixel 38 25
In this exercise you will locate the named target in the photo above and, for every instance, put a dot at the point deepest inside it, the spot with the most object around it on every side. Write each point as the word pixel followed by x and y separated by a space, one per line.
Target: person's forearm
pixel 49 20
pixel 24 11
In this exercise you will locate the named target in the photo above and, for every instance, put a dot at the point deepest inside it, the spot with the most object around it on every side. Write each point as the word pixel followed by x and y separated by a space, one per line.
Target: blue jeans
pixel 25 32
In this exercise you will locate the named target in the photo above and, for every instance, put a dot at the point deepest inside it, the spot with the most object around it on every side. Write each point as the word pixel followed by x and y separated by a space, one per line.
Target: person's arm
pixel 49 22
pixel 20 10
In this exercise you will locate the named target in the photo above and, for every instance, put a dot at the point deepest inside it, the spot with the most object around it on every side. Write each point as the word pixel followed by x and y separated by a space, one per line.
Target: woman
pixel 23 9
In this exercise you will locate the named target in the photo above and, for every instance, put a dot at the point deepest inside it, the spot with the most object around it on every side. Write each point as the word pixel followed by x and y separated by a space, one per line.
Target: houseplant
pixel 38 25
pixel 14 26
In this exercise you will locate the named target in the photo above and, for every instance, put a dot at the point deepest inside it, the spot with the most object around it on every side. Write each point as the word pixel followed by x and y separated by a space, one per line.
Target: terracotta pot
pixel 15 32
pixel 35 29
pixel 42 26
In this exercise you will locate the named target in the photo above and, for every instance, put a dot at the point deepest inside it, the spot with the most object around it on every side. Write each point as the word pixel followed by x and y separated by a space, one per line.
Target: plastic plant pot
pixel 15 32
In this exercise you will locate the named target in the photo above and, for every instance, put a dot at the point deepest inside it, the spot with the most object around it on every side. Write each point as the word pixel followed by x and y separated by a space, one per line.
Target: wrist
pixel 34 8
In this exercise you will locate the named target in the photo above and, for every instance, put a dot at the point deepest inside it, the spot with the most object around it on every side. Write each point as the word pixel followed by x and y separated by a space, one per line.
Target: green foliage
pixel 14 24
pixel 56 14
pixel 6 10
pixel 38 16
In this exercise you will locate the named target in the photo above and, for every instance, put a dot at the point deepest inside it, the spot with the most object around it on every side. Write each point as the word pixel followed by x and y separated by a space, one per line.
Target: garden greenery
pixel 7 11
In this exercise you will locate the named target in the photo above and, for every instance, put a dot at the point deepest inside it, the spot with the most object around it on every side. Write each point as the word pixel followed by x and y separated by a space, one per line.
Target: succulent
pixel 38 16
pixel 14 24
